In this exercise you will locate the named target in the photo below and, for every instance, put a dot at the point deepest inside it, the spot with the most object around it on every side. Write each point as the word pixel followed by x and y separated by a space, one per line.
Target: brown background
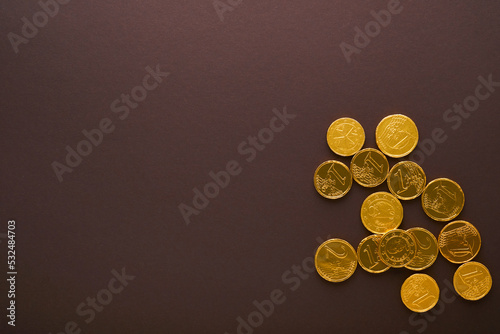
pixel 119 208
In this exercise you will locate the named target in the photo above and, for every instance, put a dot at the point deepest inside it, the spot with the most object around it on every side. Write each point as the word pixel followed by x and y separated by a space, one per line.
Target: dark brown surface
pixel 119 208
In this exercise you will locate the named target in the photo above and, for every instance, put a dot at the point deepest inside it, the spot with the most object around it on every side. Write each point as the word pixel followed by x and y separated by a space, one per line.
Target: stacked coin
pixel 382 214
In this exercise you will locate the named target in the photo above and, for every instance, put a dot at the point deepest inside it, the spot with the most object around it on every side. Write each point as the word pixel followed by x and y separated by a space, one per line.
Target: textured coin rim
pixel 416 244
pixel 362 151
pixel 404 232
pixel 332 197
pixel 316 256
pixel 392 190
pixel 442 219
pixel 328 132
pixel 426 309
pixel 359 257
pixel 373 194
pixel 460 221
pixel 476 263
pixel 378 142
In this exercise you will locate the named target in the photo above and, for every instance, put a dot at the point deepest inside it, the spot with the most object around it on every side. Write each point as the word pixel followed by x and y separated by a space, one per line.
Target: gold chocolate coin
pixel 420 292
pixel 472 280
pixel 459 241
pixel 368 257
pixel 397 248
pixel 369 167
pixel 381 212
pixel 335 260
pixel 332 179
pixel 345 136
pixel 406 180
pixel 443 199
pixel 427 249
pixel 396 135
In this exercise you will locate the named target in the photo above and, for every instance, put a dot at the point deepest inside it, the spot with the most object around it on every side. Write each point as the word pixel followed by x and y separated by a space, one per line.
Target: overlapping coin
pixel 335 260
pixel 397 248
pixel 459 241
pixel 332 179
pixel 345 136
pixel 472 280
pixel 443 199
pixel 369 167
pixel 381 212
pixel 368 256
pixel 420 292
pixel 427 249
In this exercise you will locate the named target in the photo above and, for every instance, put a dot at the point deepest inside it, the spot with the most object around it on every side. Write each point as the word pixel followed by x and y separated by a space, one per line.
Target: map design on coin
pixel 332 179
pixel 443 199
pixel 459 241
pixel 420 292
pixel 427 249
pixel 381 212
pixel 335 260
pixel 472 280
pixel 369 167
pixel 345 136
pixel 406 180
pixel 396 135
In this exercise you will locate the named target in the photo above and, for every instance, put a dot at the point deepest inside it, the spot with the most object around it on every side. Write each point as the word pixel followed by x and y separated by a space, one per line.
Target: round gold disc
pixel 397 248
pixel 332 179
pixel 420 292
pixel 427 249
pixel 396 135
pixel 406 180
pixel 335 260
pixel 345 136
pixel 459 241
pixel 368 257
pixel 472 280
pixel 381 212
pixel 369 167
pixel 443 199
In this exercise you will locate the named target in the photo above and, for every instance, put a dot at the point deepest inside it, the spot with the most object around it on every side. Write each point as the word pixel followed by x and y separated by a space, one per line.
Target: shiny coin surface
pixel 381 212
pixel 472 280
pixel 345 136
pixel 368 257
pixel 332 179
pixel 427 249
pixel 396 135
pixel 406 180
pixel 397 248
pixel 420 292
pixel 459 241
pixel 369 167
pixel 443 199
pixel 335 260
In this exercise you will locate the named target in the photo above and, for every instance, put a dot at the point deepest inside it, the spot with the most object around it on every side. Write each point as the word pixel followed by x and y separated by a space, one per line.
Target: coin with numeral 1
pixel 345 136
pixel 443 199
pixel 459 241
pixel 396 135
pixel 406 180
pixel 420 292
pixel 472 280
pixel 369 167
pixel 368 257
pixel 335 260
pixel 397 248
pixel 332 179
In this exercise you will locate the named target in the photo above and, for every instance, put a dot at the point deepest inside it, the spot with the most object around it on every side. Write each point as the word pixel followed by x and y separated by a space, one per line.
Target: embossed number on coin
pixel 369 167
pixel 332 179
pixel 443 199
pixel 335 260
pixel 420 292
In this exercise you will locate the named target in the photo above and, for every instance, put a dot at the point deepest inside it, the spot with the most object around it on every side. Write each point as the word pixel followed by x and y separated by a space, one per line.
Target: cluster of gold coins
pixel 382 213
